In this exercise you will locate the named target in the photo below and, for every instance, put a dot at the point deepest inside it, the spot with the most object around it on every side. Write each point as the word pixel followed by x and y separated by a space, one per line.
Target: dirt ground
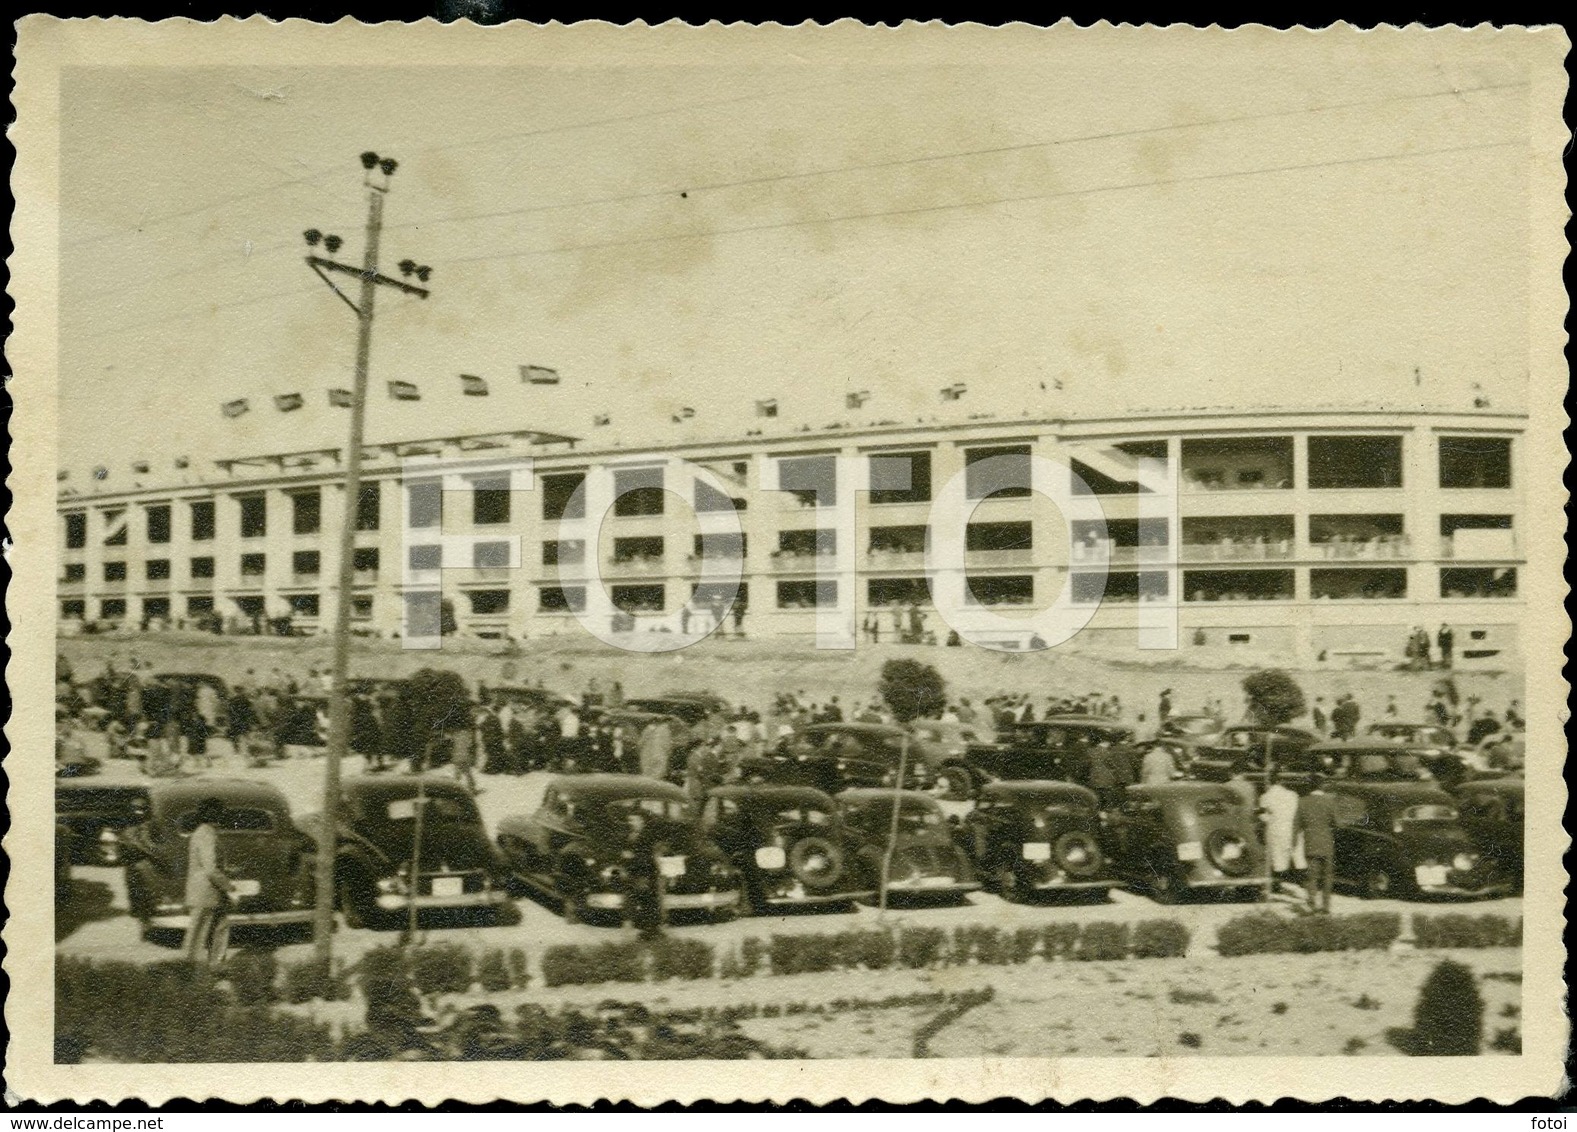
pixel 751 672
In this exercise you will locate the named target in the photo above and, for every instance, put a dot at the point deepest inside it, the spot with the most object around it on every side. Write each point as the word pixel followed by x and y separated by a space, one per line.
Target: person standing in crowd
pixel 1344 717
pixel 207 888
pixel 1278 809
pixel 490 733
pixel 739 616
pixel 1390 707
pixel 1322 723
pixel 1446 640
pixel 462 755
pixel 706 768
pixel 1158 767
pixel 366 738
pixel 643 897
pixel 656 748
pixel 1316 824
pixel 1163 710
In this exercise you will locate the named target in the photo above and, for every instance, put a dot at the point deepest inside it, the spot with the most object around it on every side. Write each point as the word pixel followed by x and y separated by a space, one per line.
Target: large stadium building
pixel 1316 536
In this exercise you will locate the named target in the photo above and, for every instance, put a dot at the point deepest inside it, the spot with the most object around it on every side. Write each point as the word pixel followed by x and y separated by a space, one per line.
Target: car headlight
pixel 1463 862
pixel 393 884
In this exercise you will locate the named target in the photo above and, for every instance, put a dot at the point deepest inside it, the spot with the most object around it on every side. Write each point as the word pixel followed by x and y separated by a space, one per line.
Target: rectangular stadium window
pixel 74 572
pixel 306 511
pixel 639 599
pixel 202 567
pixel 361 607
pixel 115 527
pixel 112 608
pixel 76 530
pixel 254 516
pixel 73 609
pixel 1237 463
pixel 1478 581
pixel 1475 462
pixel 1237 585
pixel 157 569
pixel 808 542
pixel 490 555
pixel 114 571
pixel 559 500
pixel 886 592
pixel 999 536
pixel 639 492
pixel 724 544
pixel 156 607
pixel 425 505
pixel 561 599
pixel 490 501
pixel 304 605
pixel 1006 477
pixel 811 480
pixel 807 595
pixel 428 556
pixel 644 548
pixel 1118 474
pixel 197 606
pixel 306 563
pixel 564 552
pixel 1355 461
pixel 889 470
pixel 369 501
pixel 364 560
pixel 158 516
pixel 252 565
pixel 202 512
pixel 488 602
pixel 1357 584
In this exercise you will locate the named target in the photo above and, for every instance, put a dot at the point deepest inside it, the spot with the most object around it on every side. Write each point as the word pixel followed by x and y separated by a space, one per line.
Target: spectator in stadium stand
pixel 1446 640
pixel 739 617
pixel 1482 728
pixel 1316 823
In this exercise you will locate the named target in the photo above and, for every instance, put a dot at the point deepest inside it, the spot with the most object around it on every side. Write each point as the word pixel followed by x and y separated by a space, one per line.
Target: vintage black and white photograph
pixel 824 551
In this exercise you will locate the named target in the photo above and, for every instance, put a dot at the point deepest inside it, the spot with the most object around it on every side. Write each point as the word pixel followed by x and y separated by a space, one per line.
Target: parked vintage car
pixel 1182 735
pixel 632 721
pixel 96 815
pixel 1055 748
pixel 1038 837
pixel 1405 839
pixel 581 848
pixel 1435 746
pixel 268 860
pixel 835 756
pixel 1373 760
pixel 946 745
pixel 456 867
pixel 1180 837
pixel 791 846
pixel 926 861
pixel 1244 749
pixel 1491 810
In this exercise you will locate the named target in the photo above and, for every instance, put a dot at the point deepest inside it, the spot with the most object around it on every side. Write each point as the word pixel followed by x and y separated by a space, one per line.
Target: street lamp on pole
pixel 379 170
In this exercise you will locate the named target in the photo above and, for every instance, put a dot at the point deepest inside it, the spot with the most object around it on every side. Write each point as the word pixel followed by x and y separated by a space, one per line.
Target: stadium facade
pixel 1314 536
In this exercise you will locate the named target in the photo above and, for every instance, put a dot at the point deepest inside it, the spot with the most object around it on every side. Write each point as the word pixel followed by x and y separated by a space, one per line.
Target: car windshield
pixel 451 809
pixel 1429 812
pixel 912 814
pixel 235 819
pixel 805 815
pixel 665 809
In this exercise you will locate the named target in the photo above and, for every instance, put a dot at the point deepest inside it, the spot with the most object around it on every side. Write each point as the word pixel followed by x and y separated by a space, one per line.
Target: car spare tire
pixel 1078 853
pixel 816 862
pixel 1229 851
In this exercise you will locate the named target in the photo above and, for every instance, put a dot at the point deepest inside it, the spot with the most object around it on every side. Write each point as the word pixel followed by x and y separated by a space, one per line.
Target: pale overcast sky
pixel 1308 223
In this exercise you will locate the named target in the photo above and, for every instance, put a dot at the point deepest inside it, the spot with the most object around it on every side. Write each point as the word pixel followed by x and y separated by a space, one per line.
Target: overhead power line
pixel 919 209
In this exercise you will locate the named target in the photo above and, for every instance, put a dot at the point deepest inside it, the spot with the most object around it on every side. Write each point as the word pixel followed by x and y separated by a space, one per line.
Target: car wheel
pixel 954 784
pixel 1378 884
pixel 356 901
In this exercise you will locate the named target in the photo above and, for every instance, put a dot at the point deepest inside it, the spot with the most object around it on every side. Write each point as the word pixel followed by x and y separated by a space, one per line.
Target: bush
pixel 1455 929
pixel 912 689
pixel 1449 1018
pixel 492 972
pixel 802 954
pixel 985 945
pixel 920 947
pixel 674 958
pixel 1022 944
pixel 1160 939
pixel 443 968
pixel 574 965
pixel 519 972
pixel 1274 698
pixel 312 979
pixel 1266 933
pixel 1102 940
pixel 251 974
pixel 752 952
pixel 1059 941
pixel 870 950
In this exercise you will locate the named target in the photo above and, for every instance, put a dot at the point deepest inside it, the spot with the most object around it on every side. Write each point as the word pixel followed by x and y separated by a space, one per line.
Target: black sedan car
pixel 1058 747
pixel 268 860
pixel 1038 837
pixel 376 878
pixel 836 756
pixel 597 838
pixel 1491 810
pixel 1406 839
pixel 95 816
pixel 1244 749
pixel 1182 837
pixel 927 863
pixel 1373 760
pixel 791 846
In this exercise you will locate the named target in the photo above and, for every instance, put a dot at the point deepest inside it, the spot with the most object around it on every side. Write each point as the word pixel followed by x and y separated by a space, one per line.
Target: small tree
pixel 912 690
pixel 1273 698
pixel 434 703
pixel 1449 1018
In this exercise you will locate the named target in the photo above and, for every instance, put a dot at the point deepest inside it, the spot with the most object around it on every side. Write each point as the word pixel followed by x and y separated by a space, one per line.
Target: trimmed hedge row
pixel 1458 929
pixel 628 962
pixel 1266 933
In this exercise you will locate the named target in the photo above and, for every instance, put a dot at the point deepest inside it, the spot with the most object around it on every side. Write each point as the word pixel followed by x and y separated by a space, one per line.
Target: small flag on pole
pixel 404 391
pixel 855 400
pixel 341 398
pixel 289 402
pixel 954 392
pixel 687 412
pixel 236 408
pixel 602 419
pixel 140 467
pixel 182 462
pixel 768 408
pixel 539 375
pixel 473 386
pixel 61 475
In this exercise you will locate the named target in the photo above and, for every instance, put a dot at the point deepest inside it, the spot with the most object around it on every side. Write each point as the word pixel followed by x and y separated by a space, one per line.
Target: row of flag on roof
pixel 471 385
